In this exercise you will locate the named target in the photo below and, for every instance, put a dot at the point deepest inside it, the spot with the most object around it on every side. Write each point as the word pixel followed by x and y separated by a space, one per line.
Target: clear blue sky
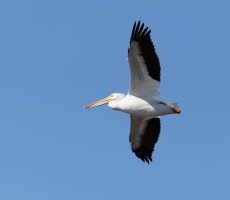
pixel 57 56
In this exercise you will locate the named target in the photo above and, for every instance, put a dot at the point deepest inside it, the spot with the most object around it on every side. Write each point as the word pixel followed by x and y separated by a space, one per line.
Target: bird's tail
pixel 175 107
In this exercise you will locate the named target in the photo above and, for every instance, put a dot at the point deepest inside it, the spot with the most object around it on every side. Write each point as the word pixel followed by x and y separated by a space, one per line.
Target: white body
pixel 141 106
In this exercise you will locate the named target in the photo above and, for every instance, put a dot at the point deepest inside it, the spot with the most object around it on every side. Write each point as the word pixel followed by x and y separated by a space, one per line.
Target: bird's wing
pixel 144 133
pixel 144 63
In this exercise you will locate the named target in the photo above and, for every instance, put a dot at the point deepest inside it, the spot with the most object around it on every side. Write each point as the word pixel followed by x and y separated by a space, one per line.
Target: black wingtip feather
pixel 138 32
pixel 137 29
pixel 143 157
pixel 145 30
pixel 134 28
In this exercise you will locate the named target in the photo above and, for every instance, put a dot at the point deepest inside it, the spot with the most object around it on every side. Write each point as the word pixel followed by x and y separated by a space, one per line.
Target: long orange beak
pixel 100 102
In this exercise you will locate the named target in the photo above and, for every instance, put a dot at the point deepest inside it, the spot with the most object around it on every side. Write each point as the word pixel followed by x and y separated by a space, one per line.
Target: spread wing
pixel 144 63
pixel 144 133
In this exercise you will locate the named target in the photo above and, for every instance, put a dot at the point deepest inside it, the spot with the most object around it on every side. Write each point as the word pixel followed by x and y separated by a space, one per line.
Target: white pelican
pixel 143 99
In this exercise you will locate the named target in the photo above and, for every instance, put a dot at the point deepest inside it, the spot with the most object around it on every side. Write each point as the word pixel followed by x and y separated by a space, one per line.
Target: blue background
pixel 57 56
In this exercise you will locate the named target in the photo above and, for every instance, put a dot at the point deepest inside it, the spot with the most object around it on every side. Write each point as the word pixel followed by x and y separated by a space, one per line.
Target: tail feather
pixel 175 107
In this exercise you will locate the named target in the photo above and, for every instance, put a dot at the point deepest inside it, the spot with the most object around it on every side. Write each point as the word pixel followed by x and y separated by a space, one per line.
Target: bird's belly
pixel 141 112
pixel 139 108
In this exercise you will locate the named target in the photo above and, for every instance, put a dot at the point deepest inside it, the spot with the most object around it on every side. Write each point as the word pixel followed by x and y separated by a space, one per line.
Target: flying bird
pixel 142 102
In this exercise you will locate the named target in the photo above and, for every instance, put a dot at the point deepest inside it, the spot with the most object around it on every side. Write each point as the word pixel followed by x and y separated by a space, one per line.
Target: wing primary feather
pixel 140 30
pixel 133 31
pixel 144 31
pixel 148 33
pixel 137 29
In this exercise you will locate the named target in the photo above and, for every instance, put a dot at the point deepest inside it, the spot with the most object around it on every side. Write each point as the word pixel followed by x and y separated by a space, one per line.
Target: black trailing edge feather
pixel 142 36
